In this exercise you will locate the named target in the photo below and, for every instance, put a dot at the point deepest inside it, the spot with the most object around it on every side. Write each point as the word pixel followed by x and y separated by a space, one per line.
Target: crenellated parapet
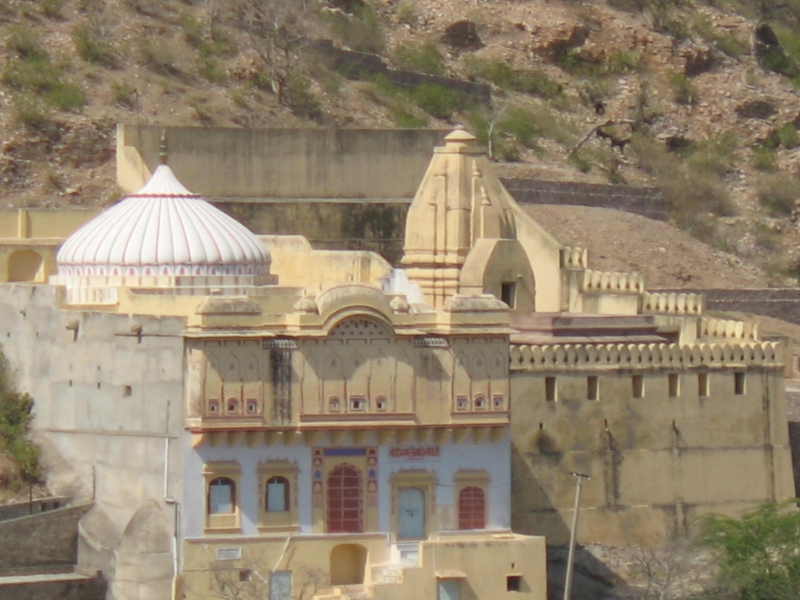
pixel 726 329
pixel 574 357
pixel 574 257
pixel 672 304
pixel 616 283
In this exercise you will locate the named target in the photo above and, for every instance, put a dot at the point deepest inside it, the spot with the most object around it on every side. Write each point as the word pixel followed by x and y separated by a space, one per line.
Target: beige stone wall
pixel 361 371
pixel 108 410
pixel 657 462
pixel 42 540
pixel 30 223
pixel 30 238
pixel 280 163
pixel 296 264
pixel 482 563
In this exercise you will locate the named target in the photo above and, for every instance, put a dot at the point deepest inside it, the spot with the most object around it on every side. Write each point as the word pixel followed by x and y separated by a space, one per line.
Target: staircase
pixel 38 553
pixel 405 560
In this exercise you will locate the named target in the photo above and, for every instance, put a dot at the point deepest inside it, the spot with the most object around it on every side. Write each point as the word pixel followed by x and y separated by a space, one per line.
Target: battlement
pixel 574 257
pixel 645 356
pixel 672 304
pixel 708 327
pixel 606 281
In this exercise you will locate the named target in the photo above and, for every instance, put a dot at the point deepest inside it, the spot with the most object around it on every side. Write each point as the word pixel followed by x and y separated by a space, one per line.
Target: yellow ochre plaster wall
pixel 657 462
pixel 486 560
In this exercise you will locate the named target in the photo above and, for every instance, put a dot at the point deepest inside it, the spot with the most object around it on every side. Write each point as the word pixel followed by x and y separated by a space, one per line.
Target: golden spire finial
pixel 162 148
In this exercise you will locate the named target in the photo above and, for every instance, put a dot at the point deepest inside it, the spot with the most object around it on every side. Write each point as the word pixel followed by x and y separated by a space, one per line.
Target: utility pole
pixel 571 556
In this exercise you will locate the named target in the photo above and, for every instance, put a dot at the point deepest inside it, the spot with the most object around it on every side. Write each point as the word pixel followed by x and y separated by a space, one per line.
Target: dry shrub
pixel 691 194
pixel 778 193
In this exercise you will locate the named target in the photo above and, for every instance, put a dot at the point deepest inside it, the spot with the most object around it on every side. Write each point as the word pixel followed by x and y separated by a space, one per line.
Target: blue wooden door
pixel 411 514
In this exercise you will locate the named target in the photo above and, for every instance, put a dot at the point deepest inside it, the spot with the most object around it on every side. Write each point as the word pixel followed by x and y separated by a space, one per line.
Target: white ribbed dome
pixel 163 229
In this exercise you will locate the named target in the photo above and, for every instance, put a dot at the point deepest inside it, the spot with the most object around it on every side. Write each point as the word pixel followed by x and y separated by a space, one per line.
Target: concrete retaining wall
pixel 643 201
pixel 280 163
pixel 24 509
pixel 79 589
pixel 329 225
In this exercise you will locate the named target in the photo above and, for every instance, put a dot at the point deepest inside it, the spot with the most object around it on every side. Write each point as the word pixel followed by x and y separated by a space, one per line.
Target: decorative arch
pixel 332 382
pixel 461 381
pixel 479 372
pixel 25 265
pixel 358 375
pixel 498 380
pixel 404 383
pixel 352 300
pixel 213 386
pixel 348 563
pixel 232 383
pixel 361 327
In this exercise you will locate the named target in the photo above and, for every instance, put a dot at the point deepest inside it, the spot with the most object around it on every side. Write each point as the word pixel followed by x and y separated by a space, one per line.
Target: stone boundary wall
pixel 77 589
pixel 672 303
pixel 27 508
pixel 44 540
pixel 779 303
pixel 644 356
pixel 362 65
pixel 643 201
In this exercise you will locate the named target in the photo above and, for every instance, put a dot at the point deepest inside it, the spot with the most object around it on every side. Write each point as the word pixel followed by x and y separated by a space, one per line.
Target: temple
pixel 249 413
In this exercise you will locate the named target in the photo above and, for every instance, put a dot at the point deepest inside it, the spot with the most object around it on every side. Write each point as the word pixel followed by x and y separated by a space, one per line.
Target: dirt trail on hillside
pixel 666 256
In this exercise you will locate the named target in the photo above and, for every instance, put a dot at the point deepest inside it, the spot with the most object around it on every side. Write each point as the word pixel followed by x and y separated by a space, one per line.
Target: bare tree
pixel 229 583
pixel 249 579
pixel 278 31
pixel 674 571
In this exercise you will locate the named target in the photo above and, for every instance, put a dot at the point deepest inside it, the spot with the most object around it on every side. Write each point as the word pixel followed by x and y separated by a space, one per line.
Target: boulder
pixel 698 60
pixel 770 53
pixel 462 35
pixel 756 109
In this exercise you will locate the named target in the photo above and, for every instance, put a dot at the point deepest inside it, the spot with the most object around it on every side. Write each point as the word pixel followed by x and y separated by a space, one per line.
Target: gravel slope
pixel 666 256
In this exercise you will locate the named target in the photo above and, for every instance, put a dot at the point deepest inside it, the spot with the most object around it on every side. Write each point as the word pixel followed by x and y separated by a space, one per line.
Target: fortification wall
pixel 667 434
pixel 108 413
pixel 780 303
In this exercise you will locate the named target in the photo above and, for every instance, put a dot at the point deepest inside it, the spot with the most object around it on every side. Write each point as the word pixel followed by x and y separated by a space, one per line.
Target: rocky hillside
pixel 697 98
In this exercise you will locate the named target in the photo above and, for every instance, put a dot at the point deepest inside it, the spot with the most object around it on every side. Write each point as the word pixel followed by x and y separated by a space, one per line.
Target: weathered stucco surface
pixel 495 349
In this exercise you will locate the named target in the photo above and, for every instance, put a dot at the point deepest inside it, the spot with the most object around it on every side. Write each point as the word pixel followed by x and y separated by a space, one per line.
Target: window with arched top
pixel 221 485
pixel 277 494
pixel 472 508
pixel 277 509
pixel 221 496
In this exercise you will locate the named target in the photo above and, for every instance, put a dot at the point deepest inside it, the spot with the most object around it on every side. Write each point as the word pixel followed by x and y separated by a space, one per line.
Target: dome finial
pixel 162 148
